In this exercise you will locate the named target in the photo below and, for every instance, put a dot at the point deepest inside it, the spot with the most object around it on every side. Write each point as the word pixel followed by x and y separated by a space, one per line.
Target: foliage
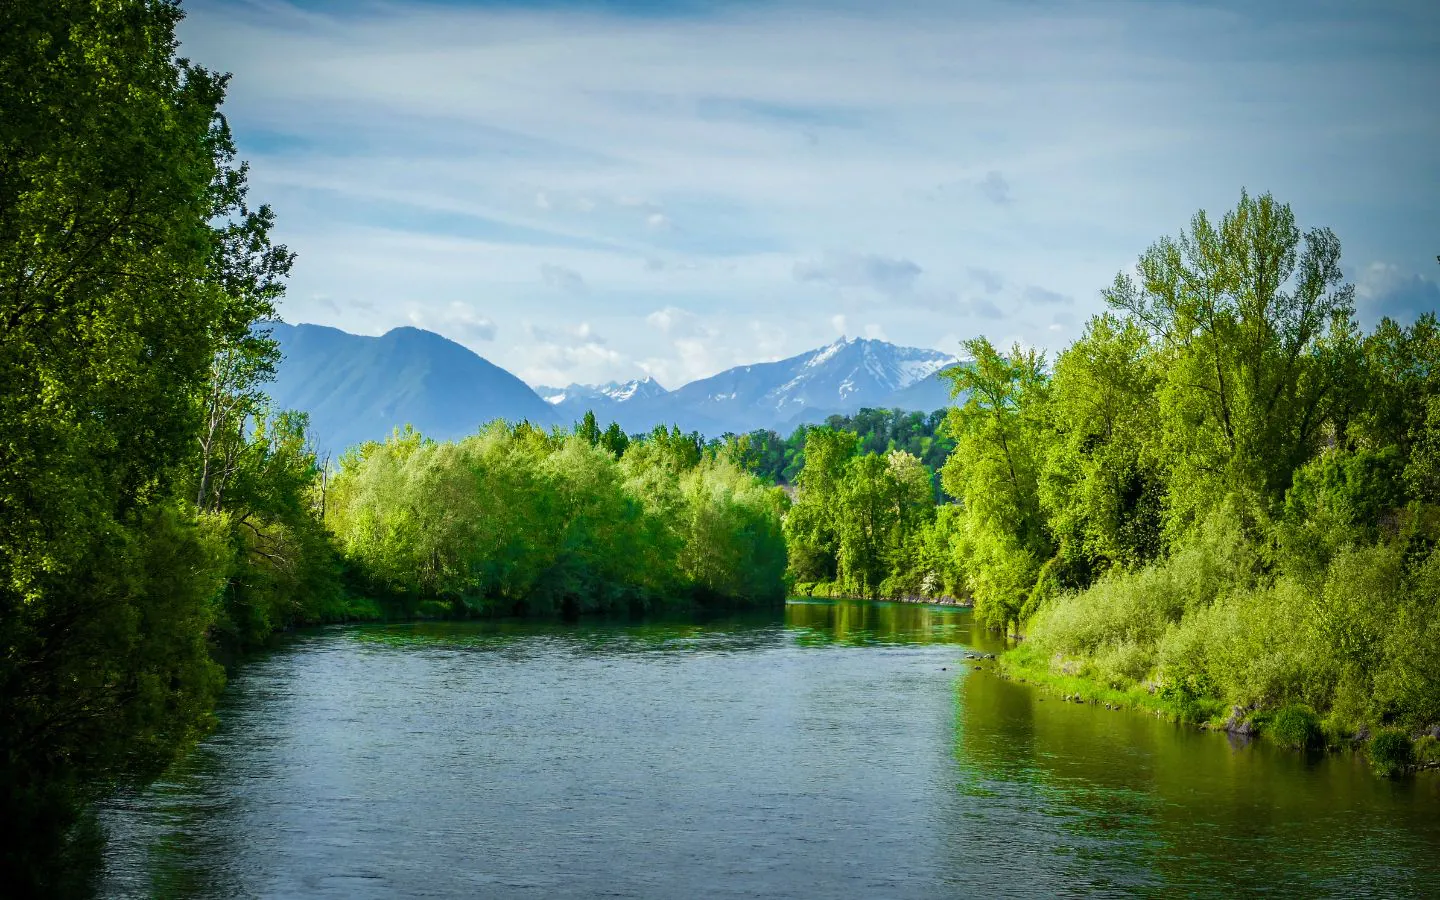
pixel 994 474
pixel 518 520
pixel 1296 727
pixel 1391 752
pixel 866 524
pixel 134 509
pixel 781 460
pixel 1223 493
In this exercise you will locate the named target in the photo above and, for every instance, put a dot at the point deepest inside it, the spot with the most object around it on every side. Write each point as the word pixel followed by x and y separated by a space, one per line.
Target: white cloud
pixel 679 323
pixel 837 322
pixel 458 321
pixel 1386 289
pixel 575 335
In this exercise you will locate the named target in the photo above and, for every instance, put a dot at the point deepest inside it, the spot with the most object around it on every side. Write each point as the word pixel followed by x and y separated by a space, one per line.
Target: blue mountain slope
pixel 842 377
pixel 359 388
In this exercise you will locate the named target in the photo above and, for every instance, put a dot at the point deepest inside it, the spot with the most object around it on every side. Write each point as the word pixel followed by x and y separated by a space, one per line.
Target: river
pixel 837 749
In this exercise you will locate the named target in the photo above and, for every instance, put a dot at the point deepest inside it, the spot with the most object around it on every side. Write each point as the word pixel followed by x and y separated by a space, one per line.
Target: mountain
pixel 845 376
pixel 840 378
pixel 571 401
pixel 358 388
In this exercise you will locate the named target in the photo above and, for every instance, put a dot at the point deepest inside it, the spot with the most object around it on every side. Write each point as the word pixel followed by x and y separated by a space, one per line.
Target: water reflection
pixel 859 623
pixel 1132 802
pixel 837 749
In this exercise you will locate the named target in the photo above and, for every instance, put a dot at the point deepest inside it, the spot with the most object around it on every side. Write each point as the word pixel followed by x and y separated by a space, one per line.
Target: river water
pixel 832 750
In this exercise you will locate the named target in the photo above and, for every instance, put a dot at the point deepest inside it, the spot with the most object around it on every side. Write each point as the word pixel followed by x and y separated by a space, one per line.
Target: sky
pixel 590 191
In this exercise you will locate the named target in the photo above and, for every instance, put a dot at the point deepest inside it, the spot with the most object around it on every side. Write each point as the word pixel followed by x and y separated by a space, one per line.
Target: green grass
pixel 1427 751
pixel 1295 727
pixel 1025 664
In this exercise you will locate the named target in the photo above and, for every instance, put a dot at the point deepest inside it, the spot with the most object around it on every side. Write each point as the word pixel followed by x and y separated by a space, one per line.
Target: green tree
pixel 994 473
pixel 129 258
pixel 1246 320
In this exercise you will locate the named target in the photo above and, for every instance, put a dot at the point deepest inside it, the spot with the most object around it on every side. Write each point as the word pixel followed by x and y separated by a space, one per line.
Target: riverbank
pixel 1391 752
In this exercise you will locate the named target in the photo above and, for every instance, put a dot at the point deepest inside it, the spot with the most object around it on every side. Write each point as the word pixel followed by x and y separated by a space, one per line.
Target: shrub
pixel 1391 752
pixel 1427 750
pixel 1295 727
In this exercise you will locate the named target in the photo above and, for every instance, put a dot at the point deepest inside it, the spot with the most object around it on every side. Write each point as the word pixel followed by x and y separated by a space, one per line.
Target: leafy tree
pixel 1244 317
pixel 130 260
pixel 994 472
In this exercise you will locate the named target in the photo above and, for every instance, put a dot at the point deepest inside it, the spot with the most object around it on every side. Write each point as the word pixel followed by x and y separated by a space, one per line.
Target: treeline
pixel 780 460
pixel 1223 494
pixel 519 520
pixel 157 517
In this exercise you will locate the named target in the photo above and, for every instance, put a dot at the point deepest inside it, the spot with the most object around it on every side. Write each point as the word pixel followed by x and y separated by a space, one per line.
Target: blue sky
pixel 587 191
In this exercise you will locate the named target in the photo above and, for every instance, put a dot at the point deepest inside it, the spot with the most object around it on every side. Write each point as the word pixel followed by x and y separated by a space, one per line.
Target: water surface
pixel 832 750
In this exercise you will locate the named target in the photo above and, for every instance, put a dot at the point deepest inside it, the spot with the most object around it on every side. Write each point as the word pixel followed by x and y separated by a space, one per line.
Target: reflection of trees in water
pixel 1111 800
pixel 590 635
pixel 185 828
pixel 862 622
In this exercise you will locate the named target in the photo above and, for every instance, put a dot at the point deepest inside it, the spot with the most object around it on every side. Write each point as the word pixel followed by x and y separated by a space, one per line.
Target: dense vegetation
pixel 1223 495
pixel 867 524
pixel 154 515
pixel 519 520
pixel 780 460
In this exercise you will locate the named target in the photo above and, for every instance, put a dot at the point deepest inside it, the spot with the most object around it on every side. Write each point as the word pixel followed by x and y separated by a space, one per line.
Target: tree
pixel 999 432
pixel 1242 314
pixel 589 429
pixel 1102 480
pixel 129 258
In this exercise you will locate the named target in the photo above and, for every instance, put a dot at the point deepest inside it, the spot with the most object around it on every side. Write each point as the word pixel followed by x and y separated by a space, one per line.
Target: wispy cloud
pixel 995 188
pixel 562 278
pixel 861 270
pixel 459 320
pixel 421 155
pixel 1385 289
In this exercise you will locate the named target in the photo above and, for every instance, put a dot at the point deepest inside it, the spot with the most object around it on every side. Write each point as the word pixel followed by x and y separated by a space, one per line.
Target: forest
pixel 518 520
pixel 1222 501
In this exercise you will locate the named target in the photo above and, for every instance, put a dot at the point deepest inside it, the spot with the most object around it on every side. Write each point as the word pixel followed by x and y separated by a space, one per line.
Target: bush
pixel 1391 752
pixel 1427 750
pixel 1295 727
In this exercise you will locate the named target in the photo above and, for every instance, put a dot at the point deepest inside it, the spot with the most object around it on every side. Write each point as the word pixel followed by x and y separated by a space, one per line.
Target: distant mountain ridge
pixel 359 388
pixel 841 377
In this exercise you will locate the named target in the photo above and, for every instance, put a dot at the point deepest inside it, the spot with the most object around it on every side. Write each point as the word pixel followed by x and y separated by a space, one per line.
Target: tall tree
pixel 1242 311
pixel 129 257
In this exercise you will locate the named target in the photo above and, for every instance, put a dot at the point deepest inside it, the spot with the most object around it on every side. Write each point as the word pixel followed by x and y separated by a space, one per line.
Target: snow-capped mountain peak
pixel 630 390
pixel 843 376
